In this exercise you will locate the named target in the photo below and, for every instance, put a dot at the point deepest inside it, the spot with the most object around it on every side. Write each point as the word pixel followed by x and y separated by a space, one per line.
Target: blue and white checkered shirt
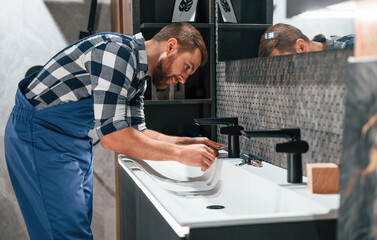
pixel 336 42
pixel 111 68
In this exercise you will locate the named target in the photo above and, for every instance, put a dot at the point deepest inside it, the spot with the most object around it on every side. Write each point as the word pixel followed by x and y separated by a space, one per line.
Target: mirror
pixel 241 40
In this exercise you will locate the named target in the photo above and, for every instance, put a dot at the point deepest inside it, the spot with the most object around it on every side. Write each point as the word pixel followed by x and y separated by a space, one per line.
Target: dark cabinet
pixel 139 219
pixel 172 110
pixel 169 114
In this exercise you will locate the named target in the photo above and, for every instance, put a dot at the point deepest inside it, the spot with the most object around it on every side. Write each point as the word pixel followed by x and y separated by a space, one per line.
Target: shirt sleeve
pixel 112 67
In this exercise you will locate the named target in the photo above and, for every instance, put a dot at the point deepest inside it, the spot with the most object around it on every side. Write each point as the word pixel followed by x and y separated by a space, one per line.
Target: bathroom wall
pixel 306 91
pixel 31 32
pixel 358 207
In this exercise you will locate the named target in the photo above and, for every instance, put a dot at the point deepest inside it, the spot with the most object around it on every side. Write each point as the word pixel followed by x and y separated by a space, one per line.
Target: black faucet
pixel 294 147
pixel 232 130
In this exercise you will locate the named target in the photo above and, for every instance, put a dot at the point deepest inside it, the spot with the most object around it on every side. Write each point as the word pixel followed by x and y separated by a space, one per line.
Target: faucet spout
pixel 294 147
pixel 288 133
pixel 230 121
pixel 232 130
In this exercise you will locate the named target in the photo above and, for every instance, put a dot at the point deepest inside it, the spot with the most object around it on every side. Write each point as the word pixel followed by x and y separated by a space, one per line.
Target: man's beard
pixel 160 76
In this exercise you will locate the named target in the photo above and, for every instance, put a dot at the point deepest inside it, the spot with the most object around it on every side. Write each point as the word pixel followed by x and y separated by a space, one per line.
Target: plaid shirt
pixel 109 67
pixel 336 42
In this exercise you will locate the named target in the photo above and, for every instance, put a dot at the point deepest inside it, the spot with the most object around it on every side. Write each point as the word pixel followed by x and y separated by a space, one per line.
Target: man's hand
pixel 203 140
pixel 184 140
pixel 208 142
pixel 198 152
pixel 197 155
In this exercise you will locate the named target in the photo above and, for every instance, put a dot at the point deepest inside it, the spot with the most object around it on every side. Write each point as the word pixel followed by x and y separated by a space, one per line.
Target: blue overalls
pixel 49 158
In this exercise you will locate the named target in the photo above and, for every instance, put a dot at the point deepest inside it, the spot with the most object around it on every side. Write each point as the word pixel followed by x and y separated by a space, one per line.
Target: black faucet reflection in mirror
pixel 232 130
pixel 294 147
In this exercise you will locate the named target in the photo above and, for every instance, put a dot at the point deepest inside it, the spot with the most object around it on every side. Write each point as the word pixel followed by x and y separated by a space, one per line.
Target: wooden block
pixel 323 177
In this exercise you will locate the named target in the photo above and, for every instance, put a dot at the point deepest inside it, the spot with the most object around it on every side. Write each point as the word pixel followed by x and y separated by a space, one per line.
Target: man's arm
pixel 183 140
pixel 136 144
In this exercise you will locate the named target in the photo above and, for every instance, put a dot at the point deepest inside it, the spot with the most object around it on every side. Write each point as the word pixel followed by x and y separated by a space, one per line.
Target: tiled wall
pixel 305 91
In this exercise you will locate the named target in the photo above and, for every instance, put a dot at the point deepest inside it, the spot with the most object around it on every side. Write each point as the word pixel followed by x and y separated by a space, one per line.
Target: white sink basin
pixel 248 194
pixel 178 178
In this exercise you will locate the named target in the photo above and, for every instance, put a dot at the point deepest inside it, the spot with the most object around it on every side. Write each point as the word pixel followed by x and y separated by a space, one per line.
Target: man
pixel 283 39
pixel 100 79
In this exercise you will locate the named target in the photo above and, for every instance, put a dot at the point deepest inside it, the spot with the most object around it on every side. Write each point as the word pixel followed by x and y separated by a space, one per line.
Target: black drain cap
pixel 215 207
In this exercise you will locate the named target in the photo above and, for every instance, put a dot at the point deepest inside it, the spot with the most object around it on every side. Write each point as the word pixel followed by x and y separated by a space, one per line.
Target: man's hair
pixel 281 36
pixel 187 36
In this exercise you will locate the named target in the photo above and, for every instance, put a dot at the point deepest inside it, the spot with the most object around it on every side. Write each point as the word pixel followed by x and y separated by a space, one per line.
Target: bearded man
pixel 97 82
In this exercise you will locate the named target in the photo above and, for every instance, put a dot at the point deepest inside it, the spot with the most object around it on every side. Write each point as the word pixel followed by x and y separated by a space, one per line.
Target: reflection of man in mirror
pixel 283 39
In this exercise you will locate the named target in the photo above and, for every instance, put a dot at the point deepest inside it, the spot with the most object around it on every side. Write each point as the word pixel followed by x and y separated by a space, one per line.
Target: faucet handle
pixel 231 130
pixel 295 146
pixel 229 121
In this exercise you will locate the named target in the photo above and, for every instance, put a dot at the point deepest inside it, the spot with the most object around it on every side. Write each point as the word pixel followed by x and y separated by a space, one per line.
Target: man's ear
pixel 301 46
pixel 171 46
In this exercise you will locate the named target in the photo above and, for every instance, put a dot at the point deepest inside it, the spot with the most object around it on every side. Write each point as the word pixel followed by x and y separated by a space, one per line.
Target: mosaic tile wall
pixel 305 91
